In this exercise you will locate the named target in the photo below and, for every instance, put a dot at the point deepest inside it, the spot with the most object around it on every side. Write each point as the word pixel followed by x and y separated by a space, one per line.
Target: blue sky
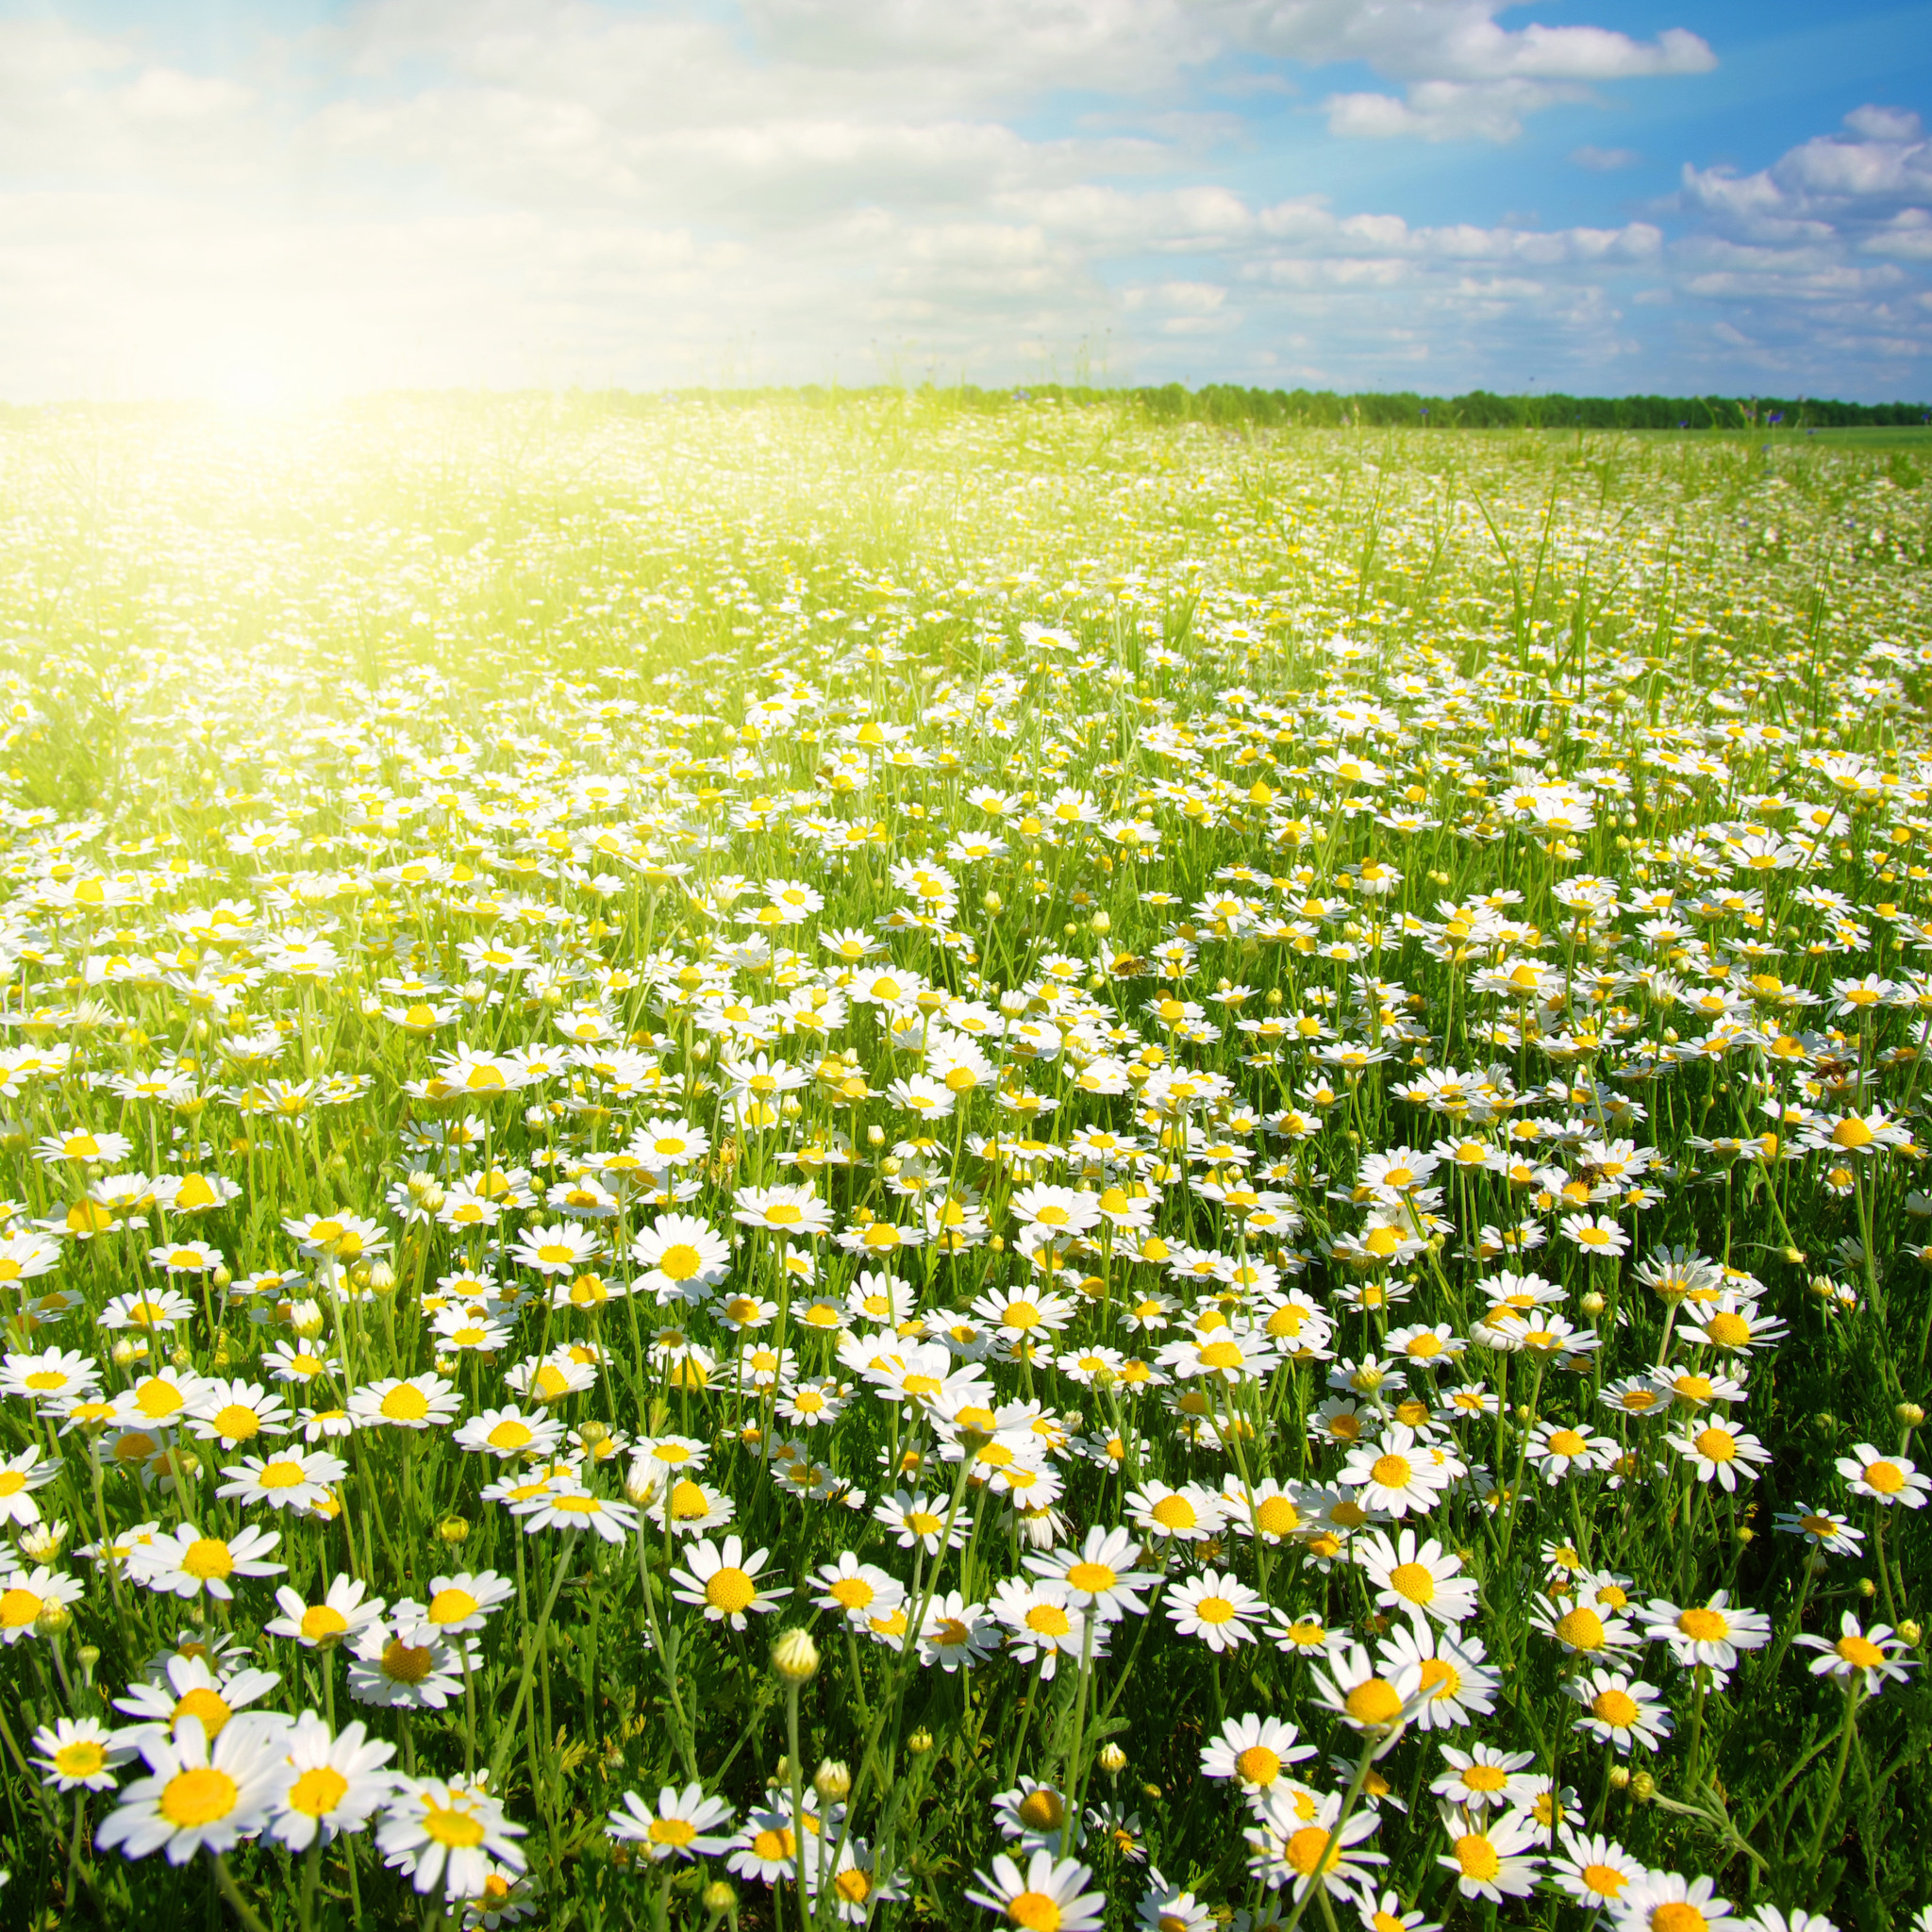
pixel 277 200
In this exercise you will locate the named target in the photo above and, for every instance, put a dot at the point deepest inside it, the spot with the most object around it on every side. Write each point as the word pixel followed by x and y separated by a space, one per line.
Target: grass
pixel 1286 975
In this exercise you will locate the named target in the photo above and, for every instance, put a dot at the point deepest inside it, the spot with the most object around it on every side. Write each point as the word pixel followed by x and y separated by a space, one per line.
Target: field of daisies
pixel 894 1164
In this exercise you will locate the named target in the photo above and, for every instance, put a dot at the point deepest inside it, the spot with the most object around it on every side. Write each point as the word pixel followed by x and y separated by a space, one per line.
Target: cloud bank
pixel 506 192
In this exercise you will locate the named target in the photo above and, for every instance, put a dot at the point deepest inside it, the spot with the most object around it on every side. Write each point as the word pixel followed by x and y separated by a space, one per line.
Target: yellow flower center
pixel 1257 1765
pixel 1614 1707
pixel 207 1557
pixel 197 1797
pixel 1414 1582
pixel 318 1791
pixel 730 1590
pixel 1374 1701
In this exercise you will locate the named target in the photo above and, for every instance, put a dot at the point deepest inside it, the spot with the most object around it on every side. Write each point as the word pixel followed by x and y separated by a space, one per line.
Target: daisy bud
pixel 1642 1787
pixel 1593 1304
pixel 717 1899
pixel 832 1781
pixel 1112 1760
pixel 1910 1632
pixel 1620 1777
pixel 795 1656
pixel 55 1617
pixel 1910 1414
pixel 920 1742
pixel 453 1529
pixel 1867 1588
pixel 1101 923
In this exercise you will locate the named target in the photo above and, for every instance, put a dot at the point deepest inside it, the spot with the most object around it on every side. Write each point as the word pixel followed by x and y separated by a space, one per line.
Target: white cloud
pixel 510 190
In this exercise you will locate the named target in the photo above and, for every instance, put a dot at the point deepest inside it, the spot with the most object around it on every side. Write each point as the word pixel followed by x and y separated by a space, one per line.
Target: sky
pixel 277 202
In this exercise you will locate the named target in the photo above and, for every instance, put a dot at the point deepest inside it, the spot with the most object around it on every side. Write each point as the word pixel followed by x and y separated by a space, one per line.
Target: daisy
pixel 235 1412
pixel 680 1254
pixel 80 1754
pixel 1384 1914
pixel 1647 1907
pixel 1100 1573
pixel 1718 1453
pixel 508 1432
pixel 1595 1872
pixel 284 1482
pixel 1485 1854
pixel 576 1508
pixel 1868 1658
pixel 1304 1846
pixel 955 1634
pixel 1887 1479
pixel 793 1211
pixel 1396 1473
pixel 1483 1778
pixel 691 1507
pixel 920 1523
pixel 1711 1633
pixel 198 1796
pixel 422 1402
pixel 1190 1514
pixel 723 1582
pixel 1254 1751
pixel 683 1825
pixel 766 1847
pixel 190 1687
pixel 47 1377
pixel 407 1666
pixel 857 1591
pixel 344 1612
pixel 1420 1580
pixel 1581 1628
pixel 1367 1702
pixel 1047 1897
pixel 1456 1682
pixel 20 1475
pixel 339 1782
pixel 460 1603
pixel 448 1832
pixel 185 1563
pixel 1217 1608
pixel 1560 1451
pixel 1042 1624
pixel 563 1247
pixel 1619 1710
pixel 1823 1530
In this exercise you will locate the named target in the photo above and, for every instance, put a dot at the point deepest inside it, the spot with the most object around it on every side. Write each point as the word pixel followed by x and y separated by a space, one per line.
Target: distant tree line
pixel 1480 409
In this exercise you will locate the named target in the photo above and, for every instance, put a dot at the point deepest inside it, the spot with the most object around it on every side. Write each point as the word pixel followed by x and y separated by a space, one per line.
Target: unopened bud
pixel 1112 1760
pixel 1593 1304
pixel 1620 1777
pixel 832 1781
pixel 55 1617
pixel 717 1899
pixel 1908 1631
pixel 920 1742
pixel 1642 1787
pixel 1867 1588
pixel 1910 1414
pixel 453 1529
pixel 795 1656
